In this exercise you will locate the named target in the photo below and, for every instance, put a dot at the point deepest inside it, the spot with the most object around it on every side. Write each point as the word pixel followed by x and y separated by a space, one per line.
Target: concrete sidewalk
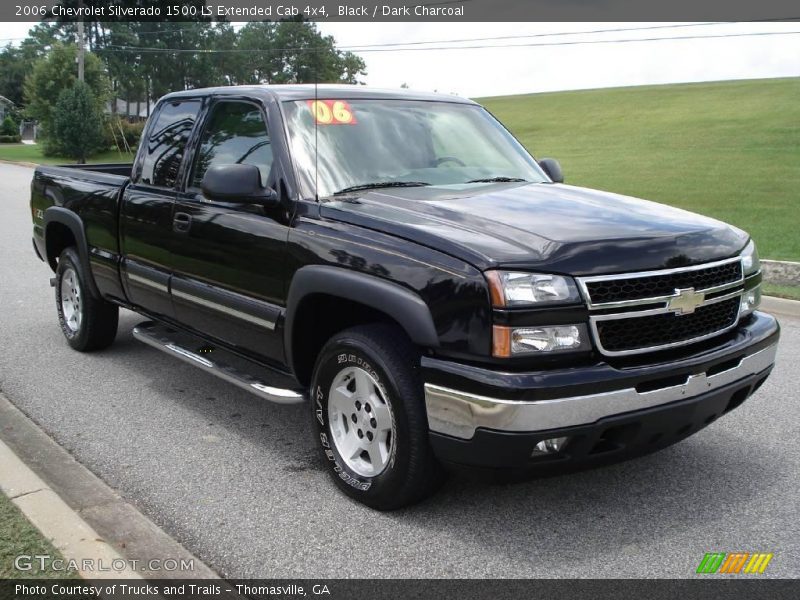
pixel 65 529
pixel 83 517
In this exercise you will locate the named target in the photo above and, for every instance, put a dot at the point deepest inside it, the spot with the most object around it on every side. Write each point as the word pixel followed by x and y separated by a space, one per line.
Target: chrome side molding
pixel 224 309
pixel 163 338
pixel 459 414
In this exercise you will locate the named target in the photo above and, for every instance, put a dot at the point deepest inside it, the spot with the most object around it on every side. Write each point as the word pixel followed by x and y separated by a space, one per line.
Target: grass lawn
pixel 791 292
pixel 33 154
pixel 730 150
pixel 18 536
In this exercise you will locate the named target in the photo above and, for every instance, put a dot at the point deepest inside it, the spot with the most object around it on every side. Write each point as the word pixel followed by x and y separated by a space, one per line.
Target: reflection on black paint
pixel 359 263
pixel 167 141
pixel 235 134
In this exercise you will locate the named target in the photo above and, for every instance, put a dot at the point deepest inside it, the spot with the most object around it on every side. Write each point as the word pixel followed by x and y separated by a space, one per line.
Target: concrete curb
pixel 18 163
pixel 83 516
pixel 780 306
pixel 70 534
pixel 781 272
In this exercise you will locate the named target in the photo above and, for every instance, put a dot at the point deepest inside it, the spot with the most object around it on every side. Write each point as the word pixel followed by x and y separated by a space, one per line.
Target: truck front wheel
pixel 369 418
pixel 88 323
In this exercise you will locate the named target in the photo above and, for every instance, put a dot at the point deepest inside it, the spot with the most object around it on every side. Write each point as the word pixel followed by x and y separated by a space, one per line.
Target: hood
pixel 550 227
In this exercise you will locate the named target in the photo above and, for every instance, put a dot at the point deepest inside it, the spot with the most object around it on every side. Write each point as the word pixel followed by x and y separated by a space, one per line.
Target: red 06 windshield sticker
pixel 332 112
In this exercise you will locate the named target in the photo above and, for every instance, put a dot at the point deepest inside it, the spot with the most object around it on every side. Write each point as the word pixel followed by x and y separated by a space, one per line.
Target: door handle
pixel 181 222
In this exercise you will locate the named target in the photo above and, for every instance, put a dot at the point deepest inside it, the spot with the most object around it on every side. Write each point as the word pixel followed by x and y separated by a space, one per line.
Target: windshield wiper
pixel 380 184
pixel 497 180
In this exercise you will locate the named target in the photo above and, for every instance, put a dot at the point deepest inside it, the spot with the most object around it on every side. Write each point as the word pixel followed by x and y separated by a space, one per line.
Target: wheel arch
pixel 62 229
pixel 357 298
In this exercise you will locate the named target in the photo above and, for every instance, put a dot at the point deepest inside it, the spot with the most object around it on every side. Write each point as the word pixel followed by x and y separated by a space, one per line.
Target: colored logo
pixel 734 562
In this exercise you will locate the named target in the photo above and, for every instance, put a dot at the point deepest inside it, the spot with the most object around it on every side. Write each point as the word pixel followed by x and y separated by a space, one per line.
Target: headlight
pixel 542 340
pixel 512 288
pixel 751 298
pixel 750 262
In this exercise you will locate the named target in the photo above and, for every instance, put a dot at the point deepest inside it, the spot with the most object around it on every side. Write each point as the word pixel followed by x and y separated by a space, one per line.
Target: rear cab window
pixel 166 144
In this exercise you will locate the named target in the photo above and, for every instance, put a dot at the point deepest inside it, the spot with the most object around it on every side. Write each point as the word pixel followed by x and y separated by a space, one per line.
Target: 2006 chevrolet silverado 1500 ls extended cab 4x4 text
pixel 400 262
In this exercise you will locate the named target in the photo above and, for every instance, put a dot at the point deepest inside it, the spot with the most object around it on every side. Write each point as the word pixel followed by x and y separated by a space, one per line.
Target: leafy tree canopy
pixel 144 60
pixel 56 72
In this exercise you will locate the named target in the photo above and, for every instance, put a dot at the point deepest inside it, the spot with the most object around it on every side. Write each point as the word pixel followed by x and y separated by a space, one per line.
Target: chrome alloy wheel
pixel 361 421
pixel 71 300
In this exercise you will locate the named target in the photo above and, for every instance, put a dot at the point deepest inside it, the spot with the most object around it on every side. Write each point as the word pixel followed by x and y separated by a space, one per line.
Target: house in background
pixel 132 110
pixel 5 107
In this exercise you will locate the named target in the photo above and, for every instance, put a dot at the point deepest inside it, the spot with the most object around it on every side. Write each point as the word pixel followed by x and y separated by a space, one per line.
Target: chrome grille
pixel 666 328
pixel 637 288
pixel 633 313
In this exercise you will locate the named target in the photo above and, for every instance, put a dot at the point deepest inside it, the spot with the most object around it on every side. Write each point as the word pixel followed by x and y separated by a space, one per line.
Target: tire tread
pixel 394 350
pixel 100 317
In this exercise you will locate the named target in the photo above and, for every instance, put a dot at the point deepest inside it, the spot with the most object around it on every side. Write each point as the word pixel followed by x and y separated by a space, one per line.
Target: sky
pixel 480 72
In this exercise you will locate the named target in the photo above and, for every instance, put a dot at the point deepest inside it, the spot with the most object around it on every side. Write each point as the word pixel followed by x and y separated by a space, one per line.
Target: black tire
pixel 412 472
pixel 96 325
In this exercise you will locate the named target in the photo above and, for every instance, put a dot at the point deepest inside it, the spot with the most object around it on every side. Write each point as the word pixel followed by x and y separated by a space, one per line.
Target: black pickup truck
pixel 401 262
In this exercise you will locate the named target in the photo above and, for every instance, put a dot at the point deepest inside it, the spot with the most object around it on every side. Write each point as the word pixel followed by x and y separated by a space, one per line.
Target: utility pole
pixel 80 45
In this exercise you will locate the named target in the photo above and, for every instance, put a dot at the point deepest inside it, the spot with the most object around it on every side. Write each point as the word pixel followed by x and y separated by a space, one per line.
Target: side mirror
pixel 553 169
pixel 237 183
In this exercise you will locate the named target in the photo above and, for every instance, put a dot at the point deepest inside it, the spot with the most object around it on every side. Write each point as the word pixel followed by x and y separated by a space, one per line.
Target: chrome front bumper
pixel 459 414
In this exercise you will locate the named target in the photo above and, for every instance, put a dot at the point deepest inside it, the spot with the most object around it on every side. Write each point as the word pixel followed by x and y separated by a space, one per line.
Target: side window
pixel 235 134
pixel 167 142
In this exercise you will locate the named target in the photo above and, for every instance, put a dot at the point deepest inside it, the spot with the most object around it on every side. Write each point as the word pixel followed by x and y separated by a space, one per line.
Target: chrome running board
pixel 219 362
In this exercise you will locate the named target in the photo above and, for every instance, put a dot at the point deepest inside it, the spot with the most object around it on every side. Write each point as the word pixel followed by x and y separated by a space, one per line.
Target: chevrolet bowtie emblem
pixel 685 301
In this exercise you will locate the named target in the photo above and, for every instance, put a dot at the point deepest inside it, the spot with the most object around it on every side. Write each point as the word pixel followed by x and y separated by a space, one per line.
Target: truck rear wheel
pixel 369 418
pixel 88 323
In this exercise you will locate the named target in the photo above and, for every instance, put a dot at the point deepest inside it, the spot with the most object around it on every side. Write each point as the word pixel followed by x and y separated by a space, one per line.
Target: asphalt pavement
pixel 237 480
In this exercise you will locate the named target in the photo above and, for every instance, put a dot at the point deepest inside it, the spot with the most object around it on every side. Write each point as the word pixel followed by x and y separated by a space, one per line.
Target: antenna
pixel 316 126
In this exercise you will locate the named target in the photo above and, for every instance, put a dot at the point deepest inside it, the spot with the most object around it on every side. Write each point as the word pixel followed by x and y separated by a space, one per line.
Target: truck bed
pixel 92 194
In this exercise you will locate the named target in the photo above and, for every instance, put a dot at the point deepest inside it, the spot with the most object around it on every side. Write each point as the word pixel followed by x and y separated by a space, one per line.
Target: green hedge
pixel 10 139
pixel 9 126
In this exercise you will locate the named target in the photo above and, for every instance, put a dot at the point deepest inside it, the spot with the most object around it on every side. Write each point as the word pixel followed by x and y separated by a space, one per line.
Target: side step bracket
pixel 219 362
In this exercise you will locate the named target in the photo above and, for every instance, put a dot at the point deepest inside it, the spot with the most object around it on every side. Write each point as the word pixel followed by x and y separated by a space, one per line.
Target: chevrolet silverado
pixel 397 260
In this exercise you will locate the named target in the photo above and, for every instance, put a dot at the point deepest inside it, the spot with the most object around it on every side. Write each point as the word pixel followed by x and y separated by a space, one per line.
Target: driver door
pixel 228 258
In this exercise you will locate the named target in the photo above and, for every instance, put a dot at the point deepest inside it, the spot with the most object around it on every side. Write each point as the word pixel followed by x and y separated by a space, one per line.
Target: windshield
pixel 400 142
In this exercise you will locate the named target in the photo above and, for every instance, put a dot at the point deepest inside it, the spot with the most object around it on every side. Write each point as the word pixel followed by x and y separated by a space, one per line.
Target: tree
pixel 306 56
pixel 16 62
pixel 291 51
pixel 125 71
pixel 13 68
pixel 9 127
pixel 256 61
pixel 351 66
pixel 145 60
pixel 77 122
pixel 54 73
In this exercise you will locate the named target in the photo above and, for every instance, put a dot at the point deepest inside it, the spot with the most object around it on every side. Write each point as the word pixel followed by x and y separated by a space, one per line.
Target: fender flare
pixel 400 303
pixel 63 216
